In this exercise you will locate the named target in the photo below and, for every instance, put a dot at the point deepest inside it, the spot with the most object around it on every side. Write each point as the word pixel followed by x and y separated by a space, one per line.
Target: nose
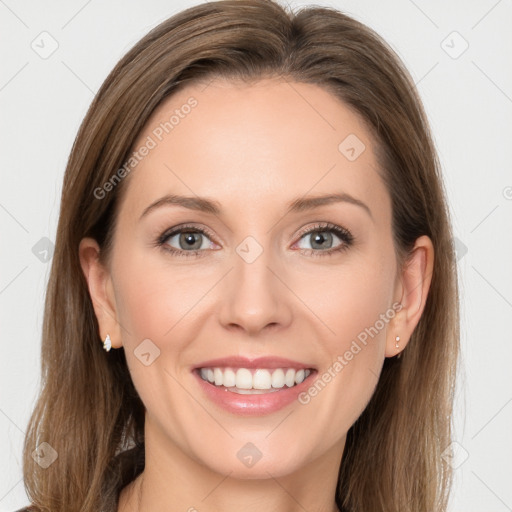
pixel 254 296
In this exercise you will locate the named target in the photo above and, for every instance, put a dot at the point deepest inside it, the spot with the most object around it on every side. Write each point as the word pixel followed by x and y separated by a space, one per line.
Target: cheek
pixel 354 305
pixel 348 300
pixel 153 299
pixel 156 302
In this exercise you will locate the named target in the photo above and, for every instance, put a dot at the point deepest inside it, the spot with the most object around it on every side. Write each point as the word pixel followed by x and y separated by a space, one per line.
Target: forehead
pixel 249 144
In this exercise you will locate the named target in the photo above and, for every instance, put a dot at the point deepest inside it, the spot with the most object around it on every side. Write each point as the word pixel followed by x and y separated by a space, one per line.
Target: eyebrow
pixel 298 205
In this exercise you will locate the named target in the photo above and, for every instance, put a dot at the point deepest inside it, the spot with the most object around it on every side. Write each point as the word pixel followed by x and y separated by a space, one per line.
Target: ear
pixel 99 282
pixel 412 286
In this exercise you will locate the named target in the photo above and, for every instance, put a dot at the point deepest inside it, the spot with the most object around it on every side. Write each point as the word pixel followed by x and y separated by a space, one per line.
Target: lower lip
pixel 253 405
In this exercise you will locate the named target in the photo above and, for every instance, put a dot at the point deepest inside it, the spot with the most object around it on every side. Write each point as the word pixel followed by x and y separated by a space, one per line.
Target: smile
pixel 253 380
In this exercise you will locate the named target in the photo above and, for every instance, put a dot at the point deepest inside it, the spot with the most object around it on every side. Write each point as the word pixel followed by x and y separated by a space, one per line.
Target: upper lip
pixel 258 362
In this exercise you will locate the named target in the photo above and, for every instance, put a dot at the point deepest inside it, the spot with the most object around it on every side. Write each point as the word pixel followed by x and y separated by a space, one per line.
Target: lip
pixel 269 362
pixel 253 405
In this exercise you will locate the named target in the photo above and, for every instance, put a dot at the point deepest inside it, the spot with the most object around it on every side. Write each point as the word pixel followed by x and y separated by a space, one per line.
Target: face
pixel 256 275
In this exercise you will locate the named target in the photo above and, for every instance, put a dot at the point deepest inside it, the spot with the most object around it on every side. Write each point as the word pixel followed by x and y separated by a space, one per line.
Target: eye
pixel 190 241
pixel 323 235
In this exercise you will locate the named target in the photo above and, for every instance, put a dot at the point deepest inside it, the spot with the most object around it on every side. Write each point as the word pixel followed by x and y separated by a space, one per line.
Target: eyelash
pixel 343 234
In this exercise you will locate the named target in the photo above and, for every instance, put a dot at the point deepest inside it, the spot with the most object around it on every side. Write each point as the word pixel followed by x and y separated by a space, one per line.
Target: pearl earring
pixel 107 344
pixel 397 339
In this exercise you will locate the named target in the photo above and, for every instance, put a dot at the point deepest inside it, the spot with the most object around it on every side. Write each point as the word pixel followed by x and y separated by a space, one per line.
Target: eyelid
pixel 183 227
pixel 327 226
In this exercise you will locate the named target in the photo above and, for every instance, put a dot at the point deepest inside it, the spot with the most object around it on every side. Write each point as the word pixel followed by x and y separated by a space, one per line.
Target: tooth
pixel 243 379
pixel 218 376
pixel 299 376
pixel 229 378
pixel 257 379
pixel 278 378
pixel 261 379
pixel 289 378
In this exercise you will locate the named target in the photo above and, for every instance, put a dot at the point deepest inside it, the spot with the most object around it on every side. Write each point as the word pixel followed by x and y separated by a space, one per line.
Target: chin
pixel 250 463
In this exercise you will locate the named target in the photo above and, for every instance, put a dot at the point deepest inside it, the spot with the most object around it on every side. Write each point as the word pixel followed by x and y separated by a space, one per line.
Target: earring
pixel 107 344
pixel 397 339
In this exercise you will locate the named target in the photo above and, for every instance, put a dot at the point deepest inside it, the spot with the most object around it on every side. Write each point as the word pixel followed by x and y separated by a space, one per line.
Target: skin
pixel 253 148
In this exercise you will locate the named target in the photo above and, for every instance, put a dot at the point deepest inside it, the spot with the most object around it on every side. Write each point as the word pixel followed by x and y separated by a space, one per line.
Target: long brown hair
pixel 88 410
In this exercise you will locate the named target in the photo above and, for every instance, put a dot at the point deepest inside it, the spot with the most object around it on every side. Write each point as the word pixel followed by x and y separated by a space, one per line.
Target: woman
pixel 253 226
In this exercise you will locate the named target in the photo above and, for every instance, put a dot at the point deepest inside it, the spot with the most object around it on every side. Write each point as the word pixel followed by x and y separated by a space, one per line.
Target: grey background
pixel 468 97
